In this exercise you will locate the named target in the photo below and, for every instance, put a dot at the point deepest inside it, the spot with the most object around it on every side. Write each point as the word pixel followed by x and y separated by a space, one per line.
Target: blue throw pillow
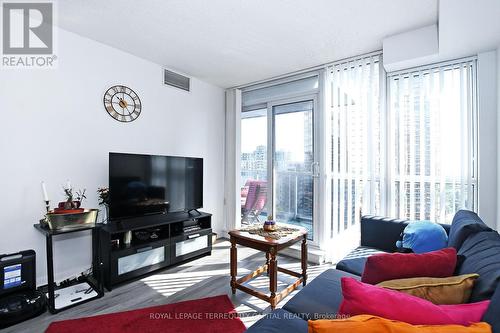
pixel 423 236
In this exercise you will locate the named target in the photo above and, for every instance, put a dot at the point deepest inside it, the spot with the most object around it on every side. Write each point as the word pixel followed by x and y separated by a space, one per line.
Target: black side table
pixel 95 282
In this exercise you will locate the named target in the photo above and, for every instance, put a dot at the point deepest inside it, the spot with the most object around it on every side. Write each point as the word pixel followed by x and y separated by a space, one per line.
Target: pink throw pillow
pixel 362 298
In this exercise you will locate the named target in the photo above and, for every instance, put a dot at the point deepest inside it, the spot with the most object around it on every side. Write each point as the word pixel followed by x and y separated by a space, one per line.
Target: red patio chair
pixel 255 201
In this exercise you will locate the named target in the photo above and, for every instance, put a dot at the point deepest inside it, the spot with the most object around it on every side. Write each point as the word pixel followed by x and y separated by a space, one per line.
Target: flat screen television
pixel 148 184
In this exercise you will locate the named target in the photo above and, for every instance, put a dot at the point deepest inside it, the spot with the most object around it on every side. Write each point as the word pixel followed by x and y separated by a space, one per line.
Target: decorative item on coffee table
pixel 270 224
pixel 278 231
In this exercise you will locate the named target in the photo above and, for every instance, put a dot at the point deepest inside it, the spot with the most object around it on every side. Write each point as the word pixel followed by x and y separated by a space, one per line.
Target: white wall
pixel 54 127
pixel 487 123
pixel 468 27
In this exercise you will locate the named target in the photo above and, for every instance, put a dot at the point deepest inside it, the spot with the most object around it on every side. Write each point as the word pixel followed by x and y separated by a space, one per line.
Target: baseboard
pixel 315 256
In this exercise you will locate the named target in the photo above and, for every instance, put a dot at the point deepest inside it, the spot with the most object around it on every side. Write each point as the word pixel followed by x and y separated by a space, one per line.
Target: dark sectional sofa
pixel 477 245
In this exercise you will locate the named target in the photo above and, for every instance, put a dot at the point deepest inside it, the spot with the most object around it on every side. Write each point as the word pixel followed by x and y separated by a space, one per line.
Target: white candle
pixel 44 190
pixel 68 185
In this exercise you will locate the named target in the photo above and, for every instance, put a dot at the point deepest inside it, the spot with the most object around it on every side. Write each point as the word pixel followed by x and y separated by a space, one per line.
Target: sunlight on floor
pixel 178 281
pixel 170 283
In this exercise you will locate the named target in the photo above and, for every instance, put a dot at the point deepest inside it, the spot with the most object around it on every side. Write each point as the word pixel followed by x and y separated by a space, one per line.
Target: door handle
pixel 315 169
pixel 193 236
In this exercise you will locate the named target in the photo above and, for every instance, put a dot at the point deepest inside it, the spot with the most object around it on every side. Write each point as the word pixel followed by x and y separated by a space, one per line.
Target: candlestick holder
pixel 47 205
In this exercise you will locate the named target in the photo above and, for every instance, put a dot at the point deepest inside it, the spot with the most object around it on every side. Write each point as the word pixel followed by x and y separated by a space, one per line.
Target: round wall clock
pixel 122 103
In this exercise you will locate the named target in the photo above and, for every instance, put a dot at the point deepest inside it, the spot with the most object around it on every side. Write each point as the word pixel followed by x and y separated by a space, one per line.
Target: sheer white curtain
pixel 431 141
pixel 355 146
pixel 232 154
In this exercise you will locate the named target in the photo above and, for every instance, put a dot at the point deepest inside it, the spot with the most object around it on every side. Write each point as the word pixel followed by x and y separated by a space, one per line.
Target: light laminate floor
pixel 204 277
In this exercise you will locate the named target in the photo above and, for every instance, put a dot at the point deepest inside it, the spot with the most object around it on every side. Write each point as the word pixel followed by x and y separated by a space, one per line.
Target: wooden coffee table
pixel 271 247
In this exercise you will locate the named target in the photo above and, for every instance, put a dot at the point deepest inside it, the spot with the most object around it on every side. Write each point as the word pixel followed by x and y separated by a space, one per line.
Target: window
pixel 415 161
pixel 354 141
pixel 401 144
pixel 432 141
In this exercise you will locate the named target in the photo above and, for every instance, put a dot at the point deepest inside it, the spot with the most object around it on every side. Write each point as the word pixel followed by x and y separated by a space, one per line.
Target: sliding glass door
pixel 279 160
pixel 294 163
pixel 279 164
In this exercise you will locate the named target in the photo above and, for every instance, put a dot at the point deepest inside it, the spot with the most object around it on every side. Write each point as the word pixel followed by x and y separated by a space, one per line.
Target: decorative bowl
pixel 67 221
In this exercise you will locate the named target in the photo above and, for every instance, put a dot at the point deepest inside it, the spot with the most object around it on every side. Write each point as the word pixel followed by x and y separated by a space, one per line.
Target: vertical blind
pixel 415 160
pixel 431 141
pixel 354 141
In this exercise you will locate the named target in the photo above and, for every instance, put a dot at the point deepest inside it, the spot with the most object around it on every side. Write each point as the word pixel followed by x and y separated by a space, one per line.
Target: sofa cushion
pixel 363 298
pixel 450 290
pixel 321 298
pixel 390 266
pixel 381 233
pixel 355 261
pixel 482 256
pixel 465 223
pixel 279 321
pixel 492 316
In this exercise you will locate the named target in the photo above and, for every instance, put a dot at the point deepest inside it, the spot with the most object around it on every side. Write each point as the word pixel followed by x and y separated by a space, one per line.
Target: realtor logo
pixel 27 29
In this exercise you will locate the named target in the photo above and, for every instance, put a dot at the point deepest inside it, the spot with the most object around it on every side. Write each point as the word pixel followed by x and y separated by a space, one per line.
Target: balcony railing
pixel 293 199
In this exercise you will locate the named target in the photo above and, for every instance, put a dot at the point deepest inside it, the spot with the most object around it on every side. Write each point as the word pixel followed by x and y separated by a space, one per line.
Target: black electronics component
pixel 19 299
pixel 141 185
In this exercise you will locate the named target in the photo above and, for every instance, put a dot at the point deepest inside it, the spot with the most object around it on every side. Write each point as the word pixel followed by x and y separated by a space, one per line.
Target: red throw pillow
pixel 390 266
pixel 362 298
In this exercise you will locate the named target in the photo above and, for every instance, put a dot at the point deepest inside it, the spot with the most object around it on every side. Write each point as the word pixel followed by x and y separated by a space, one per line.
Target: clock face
pixel 122 103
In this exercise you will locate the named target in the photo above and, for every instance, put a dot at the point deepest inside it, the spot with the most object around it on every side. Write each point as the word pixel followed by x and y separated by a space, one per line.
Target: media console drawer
pixel 144 257
pixel 138 259
pixel 188 246
pixel 197 242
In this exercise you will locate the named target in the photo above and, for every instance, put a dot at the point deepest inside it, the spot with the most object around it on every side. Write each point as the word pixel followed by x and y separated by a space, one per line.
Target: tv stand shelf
pixel 157 241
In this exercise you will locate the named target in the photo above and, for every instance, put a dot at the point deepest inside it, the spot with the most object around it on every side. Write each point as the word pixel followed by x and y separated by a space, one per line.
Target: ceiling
pixel 234 42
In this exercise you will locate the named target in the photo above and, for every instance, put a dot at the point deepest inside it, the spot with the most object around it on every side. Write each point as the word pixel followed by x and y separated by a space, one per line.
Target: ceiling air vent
pixel 176 80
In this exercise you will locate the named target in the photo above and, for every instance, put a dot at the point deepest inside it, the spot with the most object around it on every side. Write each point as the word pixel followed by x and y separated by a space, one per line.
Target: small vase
pixel 105 214
pixel 269 225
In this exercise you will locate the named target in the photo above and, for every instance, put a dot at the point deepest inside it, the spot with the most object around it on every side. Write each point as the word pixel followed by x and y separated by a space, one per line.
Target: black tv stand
pixel 158 241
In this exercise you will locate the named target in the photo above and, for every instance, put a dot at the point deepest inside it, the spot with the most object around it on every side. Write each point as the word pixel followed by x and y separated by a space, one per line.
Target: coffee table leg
pixel 273 277
pixel 267 262
pixel 233 265
pixel 304 260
